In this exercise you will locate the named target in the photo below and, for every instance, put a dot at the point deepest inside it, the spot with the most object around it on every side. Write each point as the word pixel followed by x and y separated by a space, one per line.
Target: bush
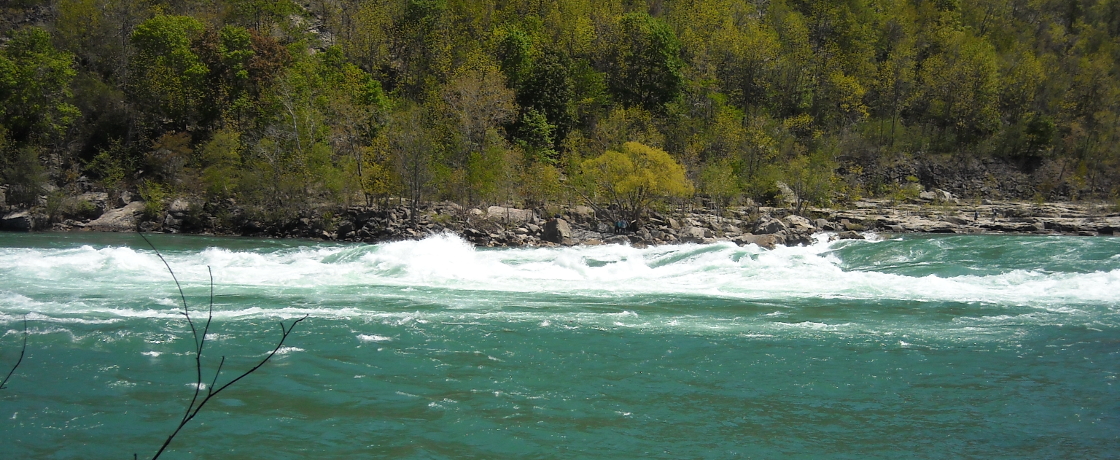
pixel 154 195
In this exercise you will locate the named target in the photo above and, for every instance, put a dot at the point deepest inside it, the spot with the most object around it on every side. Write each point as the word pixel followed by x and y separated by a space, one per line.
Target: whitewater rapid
pixel 105 278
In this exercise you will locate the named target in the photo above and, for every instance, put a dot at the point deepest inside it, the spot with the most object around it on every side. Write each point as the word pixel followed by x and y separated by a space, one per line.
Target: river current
pixel 992 346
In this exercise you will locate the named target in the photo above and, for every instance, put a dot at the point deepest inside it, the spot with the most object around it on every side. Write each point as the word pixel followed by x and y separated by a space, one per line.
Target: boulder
pixel 849 235
pixel 19 221
pixel 345 227
pixel 556 231
pixel 694 234
pixel 617 239
pixel 944 196
pixel 762 241
pixel 170 223
pixel 581 214
pixel 118 220
pixel 124 199
pixel 799 223
pixel 512 215
pixel 787 195
pixel 179 207
pixel 769 226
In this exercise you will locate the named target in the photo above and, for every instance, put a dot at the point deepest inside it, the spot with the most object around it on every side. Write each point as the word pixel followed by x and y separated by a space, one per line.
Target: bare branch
pixel 24 350
pixel 196 403
pixel 193 410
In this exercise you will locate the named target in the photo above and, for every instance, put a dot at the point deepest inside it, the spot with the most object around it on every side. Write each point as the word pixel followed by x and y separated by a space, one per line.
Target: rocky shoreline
pixel 498 226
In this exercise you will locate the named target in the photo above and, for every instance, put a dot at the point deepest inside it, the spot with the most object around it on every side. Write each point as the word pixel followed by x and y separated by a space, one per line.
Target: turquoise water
pixel 916 347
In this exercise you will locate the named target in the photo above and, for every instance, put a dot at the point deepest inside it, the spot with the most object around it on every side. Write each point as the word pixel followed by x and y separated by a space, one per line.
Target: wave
pixel 446 270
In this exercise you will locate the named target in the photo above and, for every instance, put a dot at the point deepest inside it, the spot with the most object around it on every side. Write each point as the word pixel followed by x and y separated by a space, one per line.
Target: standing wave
pixel 892 269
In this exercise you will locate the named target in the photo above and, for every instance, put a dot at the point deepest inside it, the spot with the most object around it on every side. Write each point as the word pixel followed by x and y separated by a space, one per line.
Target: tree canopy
pixel 285 106
pixel 634 176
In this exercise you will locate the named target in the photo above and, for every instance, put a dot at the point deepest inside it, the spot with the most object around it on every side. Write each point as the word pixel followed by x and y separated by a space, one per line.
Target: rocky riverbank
pixel 498 226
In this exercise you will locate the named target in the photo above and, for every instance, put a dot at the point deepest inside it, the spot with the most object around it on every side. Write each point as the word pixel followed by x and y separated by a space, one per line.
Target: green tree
pixel 719 182
pixel 646 66
pixel 633 177
pixel 168 77
pixel 479 104
pixel 548 89
pixel 413 154
pixel 34 109
pixel 959 89
pixel 421 47
pixel 810 176
pixel 35 88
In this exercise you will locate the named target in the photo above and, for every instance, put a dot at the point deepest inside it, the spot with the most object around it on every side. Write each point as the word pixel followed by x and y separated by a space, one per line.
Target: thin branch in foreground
pixel 213 389
pixel 21 353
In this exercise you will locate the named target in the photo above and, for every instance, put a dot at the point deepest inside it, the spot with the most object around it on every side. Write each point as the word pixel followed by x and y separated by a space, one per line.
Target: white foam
pixel 102 285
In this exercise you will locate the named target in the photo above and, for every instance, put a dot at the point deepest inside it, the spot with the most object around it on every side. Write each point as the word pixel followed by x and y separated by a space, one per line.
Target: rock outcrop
pixel 19 221
pixel 123 219
pixel 557 231
pixel 500 226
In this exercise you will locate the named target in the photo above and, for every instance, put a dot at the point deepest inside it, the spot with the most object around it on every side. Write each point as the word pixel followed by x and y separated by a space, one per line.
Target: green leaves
pixel 647 69
pixel 35 88
pixel 634 176
pixel 169 76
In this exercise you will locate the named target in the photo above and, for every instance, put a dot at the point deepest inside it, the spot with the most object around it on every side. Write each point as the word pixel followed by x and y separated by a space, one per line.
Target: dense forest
pixel 278 107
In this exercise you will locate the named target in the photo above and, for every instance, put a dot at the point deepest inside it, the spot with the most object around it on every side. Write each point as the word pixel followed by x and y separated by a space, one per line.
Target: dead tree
pixel 18 361
pixel 199 399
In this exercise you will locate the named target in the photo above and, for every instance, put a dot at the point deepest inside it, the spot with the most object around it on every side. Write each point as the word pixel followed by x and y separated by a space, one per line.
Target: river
pixel 979 346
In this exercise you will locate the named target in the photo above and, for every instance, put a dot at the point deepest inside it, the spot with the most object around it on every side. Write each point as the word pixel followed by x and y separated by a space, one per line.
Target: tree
pixel 719 182
pixel 421 49
pixel 959 88
pixel 478 101
pixel 34 109
pixel 412 151
pixel 646 67
pixel 35 88
pixel 168 76
pixel 810 176
pixel 634 177
pixel 548 89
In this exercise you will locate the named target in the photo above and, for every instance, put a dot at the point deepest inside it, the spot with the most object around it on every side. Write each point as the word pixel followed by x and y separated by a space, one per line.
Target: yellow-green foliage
pixel 634 176
pixel 154 195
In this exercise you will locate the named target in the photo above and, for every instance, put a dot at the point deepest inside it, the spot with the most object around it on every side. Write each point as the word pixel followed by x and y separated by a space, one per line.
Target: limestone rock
pixel 556 231
pixel 581 214
pixel 787 196
pixel 799 223
pixel 118 220
pixel 769 226
pixel 512 215
pixel 694 235
pixel 762 241
pixel 19 221
pixel 617 239
pixel 179 206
